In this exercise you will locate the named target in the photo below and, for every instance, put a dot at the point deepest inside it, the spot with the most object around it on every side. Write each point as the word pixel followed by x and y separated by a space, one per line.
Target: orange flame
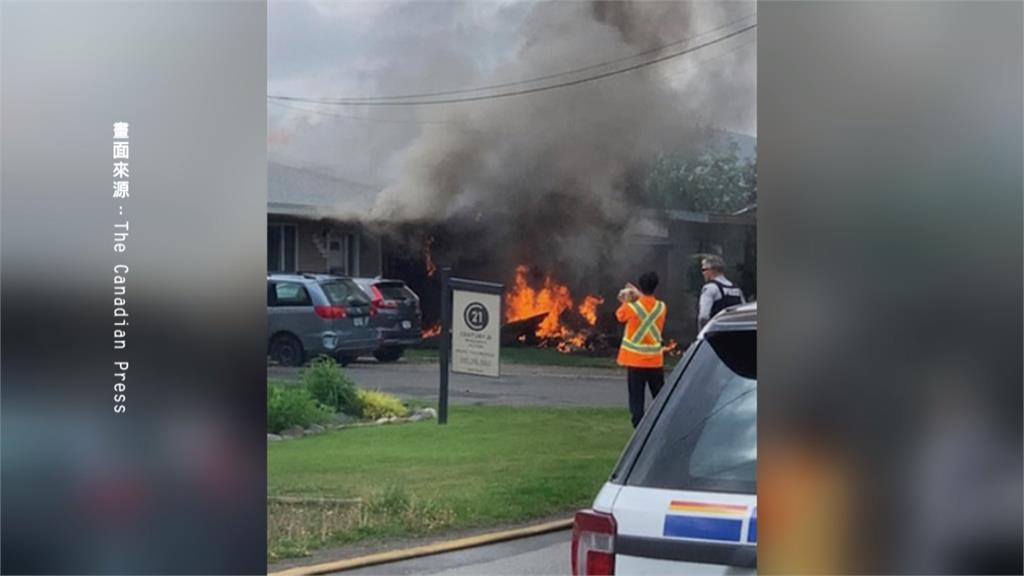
pixel 429 257
pixel 572 343
pixel 434 330
pixel 525 302
pixel 551 299
pixel 589 308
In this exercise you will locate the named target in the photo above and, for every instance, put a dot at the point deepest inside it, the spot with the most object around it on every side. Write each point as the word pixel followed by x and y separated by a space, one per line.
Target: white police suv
pixel 683 497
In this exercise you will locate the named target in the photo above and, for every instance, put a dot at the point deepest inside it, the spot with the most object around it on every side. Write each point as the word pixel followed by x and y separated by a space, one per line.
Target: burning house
pixel 545 192
pixel 548 304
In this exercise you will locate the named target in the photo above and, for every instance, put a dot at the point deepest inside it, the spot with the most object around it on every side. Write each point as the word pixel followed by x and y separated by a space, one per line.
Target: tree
pixel 716 181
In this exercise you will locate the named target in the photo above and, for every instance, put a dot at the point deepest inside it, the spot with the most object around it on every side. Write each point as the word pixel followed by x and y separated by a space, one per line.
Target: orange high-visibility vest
pixel 641 341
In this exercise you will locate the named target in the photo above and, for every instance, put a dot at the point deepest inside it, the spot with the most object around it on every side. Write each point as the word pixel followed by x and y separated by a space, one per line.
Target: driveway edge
pixel 426 550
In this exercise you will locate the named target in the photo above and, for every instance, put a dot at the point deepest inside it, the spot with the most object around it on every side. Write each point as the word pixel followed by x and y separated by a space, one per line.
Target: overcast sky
pixel 320 48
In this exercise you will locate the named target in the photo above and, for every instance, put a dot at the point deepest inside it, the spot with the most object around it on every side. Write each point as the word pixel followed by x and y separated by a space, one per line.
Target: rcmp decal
pixel 752 530
pixel 706 521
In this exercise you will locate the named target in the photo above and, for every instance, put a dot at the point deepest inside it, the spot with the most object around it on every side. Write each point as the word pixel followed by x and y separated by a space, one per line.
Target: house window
pixel 282 250
pixel 343 257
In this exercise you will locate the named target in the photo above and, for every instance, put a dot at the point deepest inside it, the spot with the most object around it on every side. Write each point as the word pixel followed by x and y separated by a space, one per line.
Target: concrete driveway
pixel 519 385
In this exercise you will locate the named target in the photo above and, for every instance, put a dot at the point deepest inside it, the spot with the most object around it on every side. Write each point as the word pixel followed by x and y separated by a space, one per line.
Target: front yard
pixel 488 466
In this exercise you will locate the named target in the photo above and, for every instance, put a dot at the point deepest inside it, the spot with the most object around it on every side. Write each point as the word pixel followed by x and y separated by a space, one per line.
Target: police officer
pixel 641 351
pixel 718 292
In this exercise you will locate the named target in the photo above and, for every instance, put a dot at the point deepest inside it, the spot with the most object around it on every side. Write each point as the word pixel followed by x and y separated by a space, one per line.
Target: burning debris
pixel 561 325
pixel 540 312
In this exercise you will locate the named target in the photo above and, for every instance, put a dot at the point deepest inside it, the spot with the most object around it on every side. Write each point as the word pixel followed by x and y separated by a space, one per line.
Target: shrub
pixel 326 382
pixel 377 404
pixel 289 406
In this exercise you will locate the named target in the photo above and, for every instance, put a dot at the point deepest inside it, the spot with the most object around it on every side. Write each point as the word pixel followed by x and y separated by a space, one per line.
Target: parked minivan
pixel 683 497
pixel 309 315
pixel 396 314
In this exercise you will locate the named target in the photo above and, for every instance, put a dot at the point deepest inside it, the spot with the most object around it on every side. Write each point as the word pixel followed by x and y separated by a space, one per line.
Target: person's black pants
pixel 653 378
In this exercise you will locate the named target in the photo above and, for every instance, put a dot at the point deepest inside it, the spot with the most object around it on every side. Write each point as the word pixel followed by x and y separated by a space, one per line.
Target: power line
pixel 318 112
pixel 538 78
pixel 698 63
pixel 524 91
pixel 293 106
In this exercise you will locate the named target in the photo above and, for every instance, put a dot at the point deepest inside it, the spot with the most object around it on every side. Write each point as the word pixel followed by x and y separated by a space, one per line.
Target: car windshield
pixel 344 293
pixel 706 435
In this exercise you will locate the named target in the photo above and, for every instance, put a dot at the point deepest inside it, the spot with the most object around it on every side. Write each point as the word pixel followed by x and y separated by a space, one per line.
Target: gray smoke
pixel 552 178
pixel 553 170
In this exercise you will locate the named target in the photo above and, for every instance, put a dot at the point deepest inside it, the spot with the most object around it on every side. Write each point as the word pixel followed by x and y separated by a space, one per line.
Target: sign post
pixel 446 333
pixel 470 331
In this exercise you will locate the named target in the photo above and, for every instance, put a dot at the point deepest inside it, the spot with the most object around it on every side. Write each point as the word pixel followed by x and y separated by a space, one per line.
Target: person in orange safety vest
pixel 641 349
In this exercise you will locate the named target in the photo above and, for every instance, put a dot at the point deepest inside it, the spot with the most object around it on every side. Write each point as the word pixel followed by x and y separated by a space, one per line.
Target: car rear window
pixel 706 435
pixel 343 292
pixel 395 291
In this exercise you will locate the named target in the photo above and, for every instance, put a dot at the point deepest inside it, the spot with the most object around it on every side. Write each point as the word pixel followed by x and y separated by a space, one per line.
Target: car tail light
pixel 380 302
pixel 331 312
pixel 593 543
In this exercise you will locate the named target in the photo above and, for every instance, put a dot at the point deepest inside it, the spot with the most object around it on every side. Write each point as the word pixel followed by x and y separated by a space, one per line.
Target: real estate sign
pixel 476 333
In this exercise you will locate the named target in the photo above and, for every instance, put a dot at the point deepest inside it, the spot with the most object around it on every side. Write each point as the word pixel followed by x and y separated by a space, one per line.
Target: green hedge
pixel 289 406
pixel 328 384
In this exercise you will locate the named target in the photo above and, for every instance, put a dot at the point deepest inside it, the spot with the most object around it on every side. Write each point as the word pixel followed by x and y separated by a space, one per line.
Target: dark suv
pixel 313 314
pixel 397 315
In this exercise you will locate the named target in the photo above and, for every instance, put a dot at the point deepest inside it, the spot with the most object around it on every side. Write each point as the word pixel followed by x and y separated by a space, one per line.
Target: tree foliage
pixel 717 181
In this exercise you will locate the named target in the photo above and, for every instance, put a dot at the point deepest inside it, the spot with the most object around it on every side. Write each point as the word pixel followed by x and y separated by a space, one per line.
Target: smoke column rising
pixel 551 171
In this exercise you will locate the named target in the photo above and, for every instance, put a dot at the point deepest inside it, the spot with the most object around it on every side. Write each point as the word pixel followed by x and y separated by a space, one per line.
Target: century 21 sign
pixel 476 333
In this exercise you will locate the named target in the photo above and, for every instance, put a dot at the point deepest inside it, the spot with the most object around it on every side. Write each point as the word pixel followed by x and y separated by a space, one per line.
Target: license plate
pixel 359 321
pixel 406 324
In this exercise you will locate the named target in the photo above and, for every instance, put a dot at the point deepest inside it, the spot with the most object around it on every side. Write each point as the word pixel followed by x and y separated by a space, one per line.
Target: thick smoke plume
pixel 553 178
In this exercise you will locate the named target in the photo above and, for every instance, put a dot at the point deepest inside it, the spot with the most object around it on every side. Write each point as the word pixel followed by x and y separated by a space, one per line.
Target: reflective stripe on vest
pixel 647 326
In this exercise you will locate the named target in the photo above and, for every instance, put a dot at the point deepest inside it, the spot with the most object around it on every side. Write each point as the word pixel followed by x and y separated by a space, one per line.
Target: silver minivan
pixel 309 315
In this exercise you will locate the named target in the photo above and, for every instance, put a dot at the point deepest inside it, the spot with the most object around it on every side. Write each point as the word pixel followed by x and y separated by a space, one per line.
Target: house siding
pixel 311 258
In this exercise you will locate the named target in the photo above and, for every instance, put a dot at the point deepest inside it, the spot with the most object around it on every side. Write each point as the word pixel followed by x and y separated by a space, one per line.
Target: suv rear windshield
pixel 344 293
pixel 706 436
pixel 395 291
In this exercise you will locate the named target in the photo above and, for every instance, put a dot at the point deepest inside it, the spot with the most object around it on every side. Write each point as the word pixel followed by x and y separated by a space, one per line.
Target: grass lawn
pixel 537 356
pixel 488 466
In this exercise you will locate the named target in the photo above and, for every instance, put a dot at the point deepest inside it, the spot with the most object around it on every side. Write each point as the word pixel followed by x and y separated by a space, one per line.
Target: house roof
pixel 304 192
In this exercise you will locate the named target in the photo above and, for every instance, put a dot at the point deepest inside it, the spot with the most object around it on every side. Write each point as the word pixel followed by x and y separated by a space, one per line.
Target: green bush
pixel 325 381
pixel 289 406
pixel 377 404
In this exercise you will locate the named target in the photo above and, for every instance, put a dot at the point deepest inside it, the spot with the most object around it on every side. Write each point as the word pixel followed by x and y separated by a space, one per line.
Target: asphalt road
pixel 519 385
pixel 547 554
